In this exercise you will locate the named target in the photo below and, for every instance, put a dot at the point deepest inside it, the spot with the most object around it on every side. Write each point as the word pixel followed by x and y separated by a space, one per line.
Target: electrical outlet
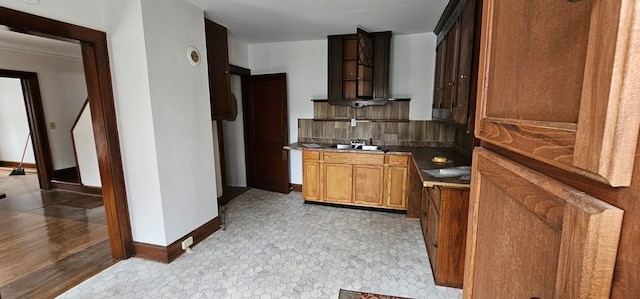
pixel 353 122
pixel 187 243
pixel 52 125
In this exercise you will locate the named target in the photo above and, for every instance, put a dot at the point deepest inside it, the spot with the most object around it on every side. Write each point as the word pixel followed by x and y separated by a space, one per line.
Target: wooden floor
pixel 47 247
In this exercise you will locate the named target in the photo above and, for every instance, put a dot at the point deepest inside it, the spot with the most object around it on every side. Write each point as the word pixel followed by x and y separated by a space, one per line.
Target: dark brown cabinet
pixel 219 76
pixel 456 63
pixel 359 68
pixel 444 228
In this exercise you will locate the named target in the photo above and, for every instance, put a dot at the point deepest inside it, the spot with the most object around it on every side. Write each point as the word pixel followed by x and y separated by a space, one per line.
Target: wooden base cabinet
pixel 444 227
pixel 371 180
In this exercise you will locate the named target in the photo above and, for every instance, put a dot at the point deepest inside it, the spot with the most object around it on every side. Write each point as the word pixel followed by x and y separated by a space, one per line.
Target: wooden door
pixel 268 132
pixel 530 236
pixel 368 184
pixel 337 185
pixel 559 81
pixel 219 75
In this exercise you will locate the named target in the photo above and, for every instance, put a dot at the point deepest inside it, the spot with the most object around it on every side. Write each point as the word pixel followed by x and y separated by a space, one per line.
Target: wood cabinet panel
pixel 460 105
pixel 350 158
pixel 337 186
pixel 571 99
pixel 540 237
pixel 368 184
pixel 396 187
pixel 431 241
pixel 311 179
pixel 396 160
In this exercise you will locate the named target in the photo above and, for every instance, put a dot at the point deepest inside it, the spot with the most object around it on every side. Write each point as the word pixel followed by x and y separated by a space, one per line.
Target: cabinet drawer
pixel 348 158
pixel 396 160
pixel 310 155
pixel 436 197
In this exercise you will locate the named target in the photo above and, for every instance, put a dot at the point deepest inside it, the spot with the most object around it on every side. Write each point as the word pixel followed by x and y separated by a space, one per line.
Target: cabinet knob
pixel 463 76
pixel 450 83
pixel 435 244
pixel 350 74
pixel 226 72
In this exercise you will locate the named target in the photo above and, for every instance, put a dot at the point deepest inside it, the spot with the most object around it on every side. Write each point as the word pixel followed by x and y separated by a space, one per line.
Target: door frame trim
pixel 37 123
pixel 95 59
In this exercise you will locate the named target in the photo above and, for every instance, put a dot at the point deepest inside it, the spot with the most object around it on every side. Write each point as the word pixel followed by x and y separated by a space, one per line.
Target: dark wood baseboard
pixel 16 164
pixel 167 254
pixel 75 187
pixel 296 187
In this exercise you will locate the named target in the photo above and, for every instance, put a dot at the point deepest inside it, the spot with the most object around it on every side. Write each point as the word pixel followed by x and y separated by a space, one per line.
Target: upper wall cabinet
pixel 457 63
pixel 359 68
pixel 219 76
pixel 560 83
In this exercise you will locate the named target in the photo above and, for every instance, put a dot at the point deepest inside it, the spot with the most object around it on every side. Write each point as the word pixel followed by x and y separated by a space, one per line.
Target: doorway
pixel 98 81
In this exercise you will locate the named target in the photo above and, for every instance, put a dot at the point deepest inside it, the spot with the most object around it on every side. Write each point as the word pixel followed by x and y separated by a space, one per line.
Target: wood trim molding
pixel 76 188
pixel 296 187
pixel 166 254
pixel 238 70
pixel 35 117
pixel 16 164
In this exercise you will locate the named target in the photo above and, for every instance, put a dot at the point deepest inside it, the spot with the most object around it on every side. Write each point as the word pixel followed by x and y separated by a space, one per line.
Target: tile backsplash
pixel 404 133
pixel 387 125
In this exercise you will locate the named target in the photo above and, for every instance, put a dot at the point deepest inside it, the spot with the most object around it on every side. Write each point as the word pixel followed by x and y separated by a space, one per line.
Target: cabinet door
pixel 382 52
pixel 219 77
pixel 532 237
pixel 337 186
pixel 460 105
pixel 451 72
pixel 368 183
pixel 431 241
pixel 335 67
pixel 311 180
pixel 396 187
pixel 559 81
pixel 440 79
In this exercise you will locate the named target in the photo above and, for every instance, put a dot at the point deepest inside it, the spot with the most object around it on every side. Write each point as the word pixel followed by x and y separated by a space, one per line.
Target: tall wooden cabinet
pixel 558 117
pixel 219 75
pixel 456 62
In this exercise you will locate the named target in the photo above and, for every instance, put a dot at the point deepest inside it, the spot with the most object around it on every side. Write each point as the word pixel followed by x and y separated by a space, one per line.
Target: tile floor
pixel 275 246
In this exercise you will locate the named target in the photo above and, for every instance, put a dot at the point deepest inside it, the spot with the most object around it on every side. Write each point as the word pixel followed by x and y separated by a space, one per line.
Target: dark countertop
pixel 421 156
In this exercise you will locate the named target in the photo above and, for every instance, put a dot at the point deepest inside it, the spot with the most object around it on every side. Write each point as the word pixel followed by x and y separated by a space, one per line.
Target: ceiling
pixel 263 21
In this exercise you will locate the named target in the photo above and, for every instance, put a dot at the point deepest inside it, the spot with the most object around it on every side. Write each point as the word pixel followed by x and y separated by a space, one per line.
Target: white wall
pixel 14 125
pixel 305 62
pixel 238 52
pixel 181 114
pixel 78 12
pixel 86 154
pixel 128 59
pixel 412 71
pixel 60 105
pixel 234 155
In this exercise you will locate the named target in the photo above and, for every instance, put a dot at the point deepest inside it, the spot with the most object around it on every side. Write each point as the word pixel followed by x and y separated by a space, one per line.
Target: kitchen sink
pixel 356 147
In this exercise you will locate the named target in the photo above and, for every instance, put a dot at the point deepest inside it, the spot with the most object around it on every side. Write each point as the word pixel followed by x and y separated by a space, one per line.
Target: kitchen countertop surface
pixel 421 155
